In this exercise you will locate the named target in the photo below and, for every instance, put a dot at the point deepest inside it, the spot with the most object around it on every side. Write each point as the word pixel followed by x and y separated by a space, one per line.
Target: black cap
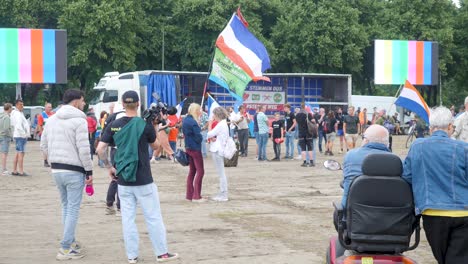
pixel 130 97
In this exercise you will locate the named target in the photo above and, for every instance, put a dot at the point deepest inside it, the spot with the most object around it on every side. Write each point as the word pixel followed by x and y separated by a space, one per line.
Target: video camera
pixel 154 113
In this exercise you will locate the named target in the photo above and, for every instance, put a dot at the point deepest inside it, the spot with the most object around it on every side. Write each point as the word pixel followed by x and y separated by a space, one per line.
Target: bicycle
pixel 411 135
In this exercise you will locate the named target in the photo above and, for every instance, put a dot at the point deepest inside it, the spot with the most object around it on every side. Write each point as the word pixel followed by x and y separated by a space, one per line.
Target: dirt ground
pixel 278 212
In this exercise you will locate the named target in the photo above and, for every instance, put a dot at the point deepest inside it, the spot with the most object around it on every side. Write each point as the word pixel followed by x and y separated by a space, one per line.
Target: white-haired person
pixel 375 141
pixel 437 169
pixel 461 125
pixel 218 137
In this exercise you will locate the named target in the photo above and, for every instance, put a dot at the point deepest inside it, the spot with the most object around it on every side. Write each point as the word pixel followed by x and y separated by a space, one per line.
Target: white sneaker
pixel 68 254
pixel 299 157
pixel 76 246
pixel 6 173
pixel 118 213
pixel 154 161
pixel 220 199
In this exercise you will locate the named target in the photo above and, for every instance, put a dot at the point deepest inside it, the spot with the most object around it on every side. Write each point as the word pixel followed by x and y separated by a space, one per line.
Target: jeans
pixel 243 135
pixel 173 145
pixel 277 149
pixel 262 143
pixel 112 195
pixel 289 144
pixel 219 164
pixel 322 135
pixel 70 185
pixel 195 175
pixel 148 198
pixel 203 144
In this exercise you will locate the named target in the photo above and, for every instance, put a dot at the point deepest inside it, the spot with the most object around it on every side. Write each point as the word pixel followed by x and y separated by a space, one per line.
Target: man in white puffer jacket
pixel 65 144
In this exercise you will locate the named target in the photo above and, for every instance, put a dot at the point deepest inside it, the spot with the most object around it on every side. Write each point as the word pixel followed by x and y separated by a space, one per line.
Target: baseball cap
pixel 130 97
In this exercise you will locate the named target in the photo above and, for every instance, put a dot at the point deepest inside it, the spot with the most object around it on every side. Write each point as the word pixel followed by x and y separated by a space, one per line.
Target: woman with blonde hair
pixel 193 139
pixel 218 137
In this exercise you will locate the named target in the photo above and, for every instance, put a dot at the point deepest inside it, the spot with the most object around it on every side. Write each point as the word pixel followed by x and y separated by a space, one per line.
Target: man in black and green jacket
pixel 131 136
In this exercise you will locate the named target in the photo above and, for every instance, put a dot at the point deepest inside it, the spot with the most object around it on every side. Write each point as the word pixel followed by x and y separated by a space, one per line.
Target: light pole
pixel 163 43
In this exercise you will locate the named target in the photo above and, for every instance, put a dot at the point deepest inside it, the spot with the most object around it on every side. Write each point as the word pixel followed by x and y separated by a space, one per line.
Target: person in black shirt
pixel 277 137
pixel 132 170
pixel 290 120
pixel 305 136
pixel 339 132
pixel 319 119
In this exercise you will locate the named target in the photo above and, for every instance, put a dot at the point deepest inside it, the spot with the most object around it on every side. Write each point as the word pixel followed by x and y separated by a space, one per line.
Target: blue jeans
pixel 148 198
pixel 20 144
pixel 203 144
pixel 322 135
pixel 262 143
pixel 70 185
pixel 173 145
pixel 290 144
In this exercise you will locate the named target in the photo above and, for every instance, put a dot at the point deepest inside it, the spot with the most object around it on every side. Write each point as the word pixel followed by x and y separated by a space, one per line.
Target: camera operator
pixel 131 135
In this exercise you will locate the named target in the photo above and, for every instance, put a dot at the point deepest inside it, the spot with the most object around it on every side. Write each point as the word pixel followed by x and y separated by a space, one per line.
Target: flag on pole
pixel 179 108
pixel 212 104
pixel 239 57
pixel 411 99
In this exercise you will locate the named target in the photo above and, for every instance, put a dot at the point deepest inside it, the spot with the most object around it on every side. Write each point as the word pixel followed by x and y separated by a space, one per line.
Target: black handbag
pixel 181 157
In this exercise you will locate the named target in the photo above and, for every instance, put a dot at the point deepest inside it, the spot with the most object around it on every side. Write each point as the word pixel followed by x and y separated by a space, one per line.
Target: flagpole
pixel 210 67
pixel 399 89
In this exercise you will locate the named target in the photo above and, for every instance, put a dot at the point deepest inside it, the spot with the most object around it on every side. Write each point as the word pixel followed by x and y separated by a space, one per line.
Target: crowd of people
pixel 68 145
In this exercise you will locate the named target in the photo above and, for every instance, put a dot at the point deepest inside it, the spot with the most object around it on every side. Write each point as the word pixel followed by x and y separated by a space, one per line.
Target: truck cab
pixel 113 85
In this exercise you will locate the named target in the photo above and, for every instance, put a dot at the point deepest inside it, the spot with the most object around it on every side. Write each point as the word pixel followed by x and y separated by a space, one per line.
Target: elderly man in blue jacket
pixel 375 141
pixel 436 167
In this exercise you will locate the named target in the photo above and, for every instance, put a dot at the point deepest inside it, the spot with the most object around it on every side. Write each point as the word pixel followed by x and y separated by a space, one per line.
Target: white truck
pixel 113 85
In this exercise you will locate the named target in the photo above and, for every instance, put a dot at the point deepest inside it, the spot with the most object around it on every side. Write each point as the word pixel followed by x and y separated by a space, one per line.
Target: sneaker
pixel 219 199
pixel 76 246
pixel 118 213
pixel 154 161
pixel 299 157
pixel 330 153
pixel 275 159
pixel 110 210
pixel 304 164
pixel 6 173
pixel 46 164
pixel 133 261
pixel 311 164
pixel 167 257
pixel 340 152
pixel 68 254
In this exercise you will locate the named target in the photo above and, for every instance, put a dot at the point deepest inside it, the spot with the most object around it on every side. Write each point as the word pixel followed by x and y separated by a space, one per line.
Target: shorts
pixel 340 132
pixel 5 144
pixel 306 144
pixel 331 136
pixel 351 137
pixel 21 144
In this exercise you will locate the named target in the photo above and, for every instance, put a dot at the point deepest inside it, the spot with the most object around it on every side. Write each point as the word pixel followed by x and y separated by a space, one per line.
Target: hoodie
pixel 6 130
pixel 65 141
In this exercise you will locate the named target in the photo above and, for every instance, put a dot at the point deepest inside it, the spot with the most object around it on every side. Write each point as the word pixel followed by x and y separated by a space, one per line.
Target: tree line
pixel 308 36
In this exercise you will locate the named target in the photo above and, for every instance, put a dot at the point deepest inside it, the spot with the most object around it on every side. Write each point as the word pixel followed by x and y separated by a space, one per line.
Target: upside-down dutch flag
pixel 411 99
pixel 244 49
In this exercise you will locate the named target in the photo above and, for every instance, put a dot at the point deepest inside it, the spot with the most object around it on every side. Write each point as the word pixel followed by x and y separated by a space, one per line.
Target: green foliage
pixel 318 36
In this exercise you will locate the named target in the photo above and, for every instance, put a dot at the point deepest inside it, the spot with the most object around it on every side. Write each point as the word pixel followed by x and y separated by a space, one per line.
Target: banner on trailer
pixel 272 97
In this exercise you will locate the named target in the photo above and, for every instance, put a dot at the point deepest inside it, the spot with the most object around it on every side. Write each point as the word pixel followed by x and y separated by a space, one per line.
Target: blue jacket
pixel 192 133
pixel 436 167
pixel 353 162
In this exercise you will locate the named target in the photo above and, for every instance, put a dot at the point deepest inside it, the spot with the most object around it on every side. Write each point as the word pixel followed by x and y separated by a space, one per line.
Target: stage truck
pixel 320 90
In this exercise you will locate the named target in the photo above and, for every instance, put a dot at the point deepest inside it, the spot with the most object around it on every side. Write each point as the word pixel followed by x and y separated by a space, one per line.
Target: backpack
pixel 181 157
pixel 312 128
pixel 325 125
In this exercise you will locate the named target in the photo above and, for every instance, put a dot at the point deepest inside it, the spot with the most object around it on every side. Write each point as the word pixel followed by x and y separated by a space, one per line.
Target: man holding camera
pixel 131 135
